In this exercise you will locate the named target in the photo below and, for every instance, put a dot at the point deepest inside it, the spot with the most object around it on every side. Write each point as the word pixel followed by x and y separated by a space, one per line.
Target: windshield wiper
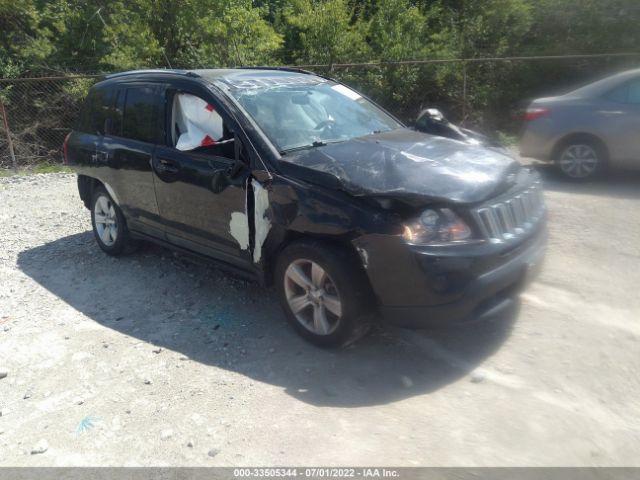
pixel 314 144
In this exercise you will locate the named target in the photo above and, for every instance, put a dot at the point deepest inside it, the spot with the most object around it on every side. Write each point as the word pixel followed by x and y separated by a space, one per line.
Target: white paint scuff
pixel 239 229
pixel 239 224
pixel 262 222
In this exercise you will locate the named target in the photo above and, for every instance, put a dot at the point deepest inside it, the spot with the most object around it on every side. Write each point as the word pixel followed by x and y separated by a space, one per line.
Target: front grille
pixel 512 217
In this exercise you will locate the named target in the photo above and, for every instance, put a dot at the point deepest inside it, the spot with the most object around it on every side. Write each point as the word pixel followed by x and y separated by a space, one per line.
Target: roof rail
pixel 157 70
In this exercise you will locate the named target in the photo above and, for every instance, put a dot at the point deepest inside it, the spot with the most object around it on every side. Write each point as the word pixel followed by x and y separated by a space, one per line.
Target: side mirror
pixel 235 169
pixel 235 174
pixel 434 114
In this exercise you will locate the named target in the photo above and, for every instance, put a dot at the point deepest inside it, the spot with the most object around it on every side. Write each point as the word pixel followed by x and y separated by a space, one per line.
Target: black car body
pixel 423 229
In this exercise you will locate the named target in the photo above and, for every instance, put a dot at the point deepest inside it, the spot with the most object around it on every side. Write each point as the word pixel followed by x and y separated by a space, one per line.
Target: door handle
pixel 165 166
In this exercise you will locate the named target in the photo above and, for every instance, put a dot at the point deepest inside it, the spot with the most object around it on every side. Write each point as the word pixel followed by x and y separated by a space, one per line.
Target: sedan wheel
pixel 106 220
pixel 312 297
pixel 579 161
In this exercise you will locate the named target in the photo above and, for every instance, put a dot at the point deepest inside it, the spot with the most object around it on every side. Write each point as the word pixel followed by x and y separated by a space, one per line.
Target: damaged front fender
pixel 251 227
pixel 285 210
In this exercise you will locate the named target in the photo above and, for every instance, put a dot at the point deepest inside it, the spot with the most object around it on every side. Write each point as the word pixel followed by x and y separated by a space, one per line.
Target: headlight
pixel 437 227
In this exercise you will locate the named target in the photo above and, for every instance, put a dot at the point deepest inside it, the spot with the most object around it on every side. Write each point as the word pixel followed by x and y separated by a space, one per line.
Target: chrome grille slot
pixel 507 223
pixel 511 217
pixel 531 202
pixel 517 205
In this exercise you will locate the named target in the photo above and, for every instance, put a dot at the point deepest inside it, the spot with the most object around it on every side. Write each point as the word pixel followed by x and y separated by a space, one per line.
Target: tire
pixel 109 225
pixel 581 159
pixel 338 292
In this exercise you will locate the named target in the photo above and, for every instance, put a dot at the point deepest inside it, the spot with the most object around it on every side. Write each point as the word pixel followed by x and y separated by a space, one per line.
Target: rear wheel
pixel 580 160
pixel 109 225
pixel 323 293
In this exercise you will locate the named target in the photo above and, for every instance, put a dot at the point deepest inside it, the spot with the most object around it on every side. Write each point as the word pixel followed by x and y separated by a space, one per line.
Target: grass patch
pixel 34 169
pixel 507 139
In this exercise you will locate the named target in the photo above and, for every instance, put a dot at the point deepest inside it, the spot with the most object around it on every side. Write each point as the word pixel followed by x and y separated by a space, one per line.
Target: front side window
pixel 304 114
pixel 197 126
pixel 142 111
pixel 195 123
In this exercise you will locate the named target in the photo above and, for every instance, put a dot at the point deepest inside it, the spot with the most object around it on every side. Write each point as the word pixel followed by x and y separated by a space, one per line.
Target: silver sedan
pixel 589 129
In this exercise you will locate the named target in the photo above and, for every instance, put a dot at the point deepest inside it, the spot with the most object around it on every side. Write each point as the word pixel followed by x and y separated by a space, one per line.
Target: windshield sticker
pixel 347 92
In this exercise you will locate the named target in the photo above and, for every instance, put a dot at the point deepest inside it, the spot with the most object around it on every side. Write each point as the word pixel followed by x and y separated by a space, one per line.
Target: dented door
pixel 195 207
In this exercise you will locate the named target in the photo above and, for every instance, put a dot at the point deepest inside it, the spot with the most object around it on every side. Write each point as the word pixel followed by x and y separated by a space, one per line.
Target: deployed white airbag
pixel 197 121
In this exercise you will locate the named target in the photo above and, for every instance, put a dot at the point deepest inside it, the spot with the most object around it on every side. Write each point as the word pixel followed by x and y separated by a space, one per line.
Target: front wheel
pixel 323 293
pixel 109 225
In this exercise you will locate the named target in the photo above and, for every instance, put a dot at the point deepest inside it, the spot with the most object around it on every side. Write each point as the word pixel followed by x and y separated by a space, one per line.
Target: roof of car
pixel 224 74
pixel 599 86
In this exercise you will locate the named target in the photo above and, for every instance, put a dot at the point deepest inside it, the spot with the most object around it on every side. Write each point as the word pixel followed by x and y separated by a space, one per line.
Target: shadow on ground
pixel 613 184
pixel 215 319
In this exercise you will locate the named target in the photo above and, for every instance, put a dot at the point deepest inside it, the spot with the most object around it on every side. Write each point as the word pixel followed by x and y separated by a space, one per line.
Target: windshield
pixel 305 115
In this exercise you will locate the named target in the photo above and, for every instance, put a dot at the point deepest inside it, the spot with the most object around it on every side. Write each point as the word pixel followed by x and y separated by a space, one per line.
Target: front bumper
pixel 422 287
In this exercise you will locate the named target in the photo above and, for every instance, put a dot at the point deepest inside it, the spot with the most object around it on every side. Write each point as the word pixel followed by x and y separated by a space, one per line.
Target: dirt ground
pixel 152 359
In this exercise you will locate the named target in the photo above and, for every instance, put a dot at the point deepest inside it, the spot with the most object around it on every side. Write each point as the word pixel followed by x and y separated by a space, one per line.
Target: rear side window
pixel 628 93
pixel 634 92
pixel 97 111
pixel 113 125
pixel 142 112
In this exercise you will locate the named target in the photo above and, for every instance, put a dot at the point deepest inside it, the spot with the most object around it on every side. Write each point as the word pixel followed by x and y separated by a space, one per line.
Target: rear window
pixel 142 112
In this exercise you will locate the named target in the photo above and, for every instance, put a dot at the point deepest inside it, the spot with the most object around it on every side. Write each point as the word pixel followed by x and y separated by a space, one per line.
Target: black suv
pixel 298 181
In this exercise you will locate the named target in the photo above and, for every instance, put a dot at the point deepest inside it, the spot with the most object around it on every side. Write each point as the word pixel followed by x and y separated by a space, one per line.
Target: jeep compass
pixel 302 183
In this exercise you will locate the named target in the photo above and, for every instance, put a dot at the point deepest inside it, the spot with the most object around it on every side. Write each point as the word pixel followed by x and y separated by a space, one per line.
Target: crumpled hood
pixel 407 164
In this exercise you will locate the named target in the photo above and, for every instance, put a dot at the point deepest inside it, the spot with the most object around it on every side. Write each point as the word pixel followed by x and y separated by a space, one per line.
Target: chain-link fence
pixel 487 94
pixel 37 115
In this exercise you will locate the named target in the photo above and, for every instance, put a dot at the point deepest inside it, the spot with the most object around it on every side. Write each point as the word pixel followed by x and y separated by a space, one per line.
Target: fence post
pixel 10 142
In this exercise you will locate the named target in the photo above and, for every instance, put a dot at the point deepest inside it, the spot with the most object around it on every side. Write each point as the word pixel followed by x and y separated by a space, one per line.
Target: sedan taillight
pixel 534 113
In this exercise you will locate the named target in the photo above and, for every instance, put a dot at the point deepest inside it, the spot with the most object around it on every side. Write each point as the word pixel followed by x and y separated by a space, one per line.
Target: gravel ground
pixel 153 359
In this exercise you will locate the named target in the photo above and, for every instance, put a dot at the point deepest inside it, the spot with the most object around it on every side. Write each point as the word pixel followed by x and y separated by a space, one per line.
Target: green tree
pixel 322 32
pixel 584 26
pixel 397 31
pixel 226 34
pixel 24 40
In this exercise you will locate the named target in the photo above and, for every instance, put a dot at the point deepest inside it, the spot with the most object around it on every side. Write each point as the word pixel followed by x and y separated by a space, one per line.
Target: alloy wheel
pixel 579 161
pixel 106 221
pixel 312 297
